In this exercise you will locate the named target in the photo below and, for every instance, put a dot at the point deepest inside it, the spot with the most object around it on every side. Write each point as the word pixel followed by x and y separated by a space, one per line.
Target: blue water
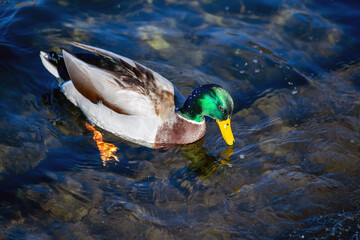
pixel 293 69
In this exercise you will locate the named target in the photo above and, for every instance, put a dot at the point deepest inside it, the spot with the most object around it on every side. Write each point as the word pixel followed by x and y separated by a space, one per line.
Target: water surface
pixel 293 69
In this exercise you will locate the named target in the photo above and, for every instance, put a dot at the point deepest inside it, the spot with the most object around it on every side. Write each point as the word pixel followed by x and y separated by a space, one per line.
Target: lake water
pixel 293 69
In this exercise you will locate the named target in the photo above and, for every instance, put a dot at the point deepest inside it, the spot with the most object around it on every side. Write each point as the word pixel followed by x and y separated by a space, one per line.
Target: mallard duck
pixel 134 102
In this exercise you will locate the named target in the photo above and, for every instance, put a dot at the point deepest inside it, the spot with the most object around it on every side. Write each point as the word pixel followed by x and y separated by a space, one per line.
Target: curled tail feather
pixel 55 64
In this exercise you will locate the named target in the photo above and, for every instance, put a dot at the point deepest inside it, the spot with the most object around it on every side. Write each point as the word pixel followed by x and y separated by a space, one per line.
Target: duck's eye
pixel 221 109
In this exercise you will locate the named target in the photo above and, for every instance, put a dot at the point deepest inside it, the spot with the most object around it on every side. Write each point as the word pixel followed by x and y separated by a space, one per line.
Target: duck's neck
pixel 193 119
pixel 191 116
pixel 191 111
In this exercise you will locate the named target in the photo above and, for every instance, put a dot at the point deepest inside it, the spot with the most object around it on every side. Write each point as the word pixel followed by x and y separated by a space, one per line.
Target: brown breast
pixel 179 132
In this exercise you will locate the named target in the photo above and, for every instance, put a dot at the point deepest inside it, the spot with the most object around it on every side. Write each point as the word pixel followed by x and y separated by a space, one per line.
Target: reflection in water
pixel 202 162
pixel 62 113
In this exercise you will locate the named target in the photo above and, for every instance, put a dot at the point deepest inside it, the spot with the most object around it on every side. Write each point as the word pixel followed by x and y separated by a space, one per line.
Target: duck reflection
pixel 203 162
pixel 63 114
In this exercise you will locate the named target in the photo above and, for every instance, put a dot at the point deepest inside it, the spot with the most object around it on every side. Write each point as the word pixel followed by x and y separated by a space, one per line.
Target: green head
pixel 208 100
pixel 213 101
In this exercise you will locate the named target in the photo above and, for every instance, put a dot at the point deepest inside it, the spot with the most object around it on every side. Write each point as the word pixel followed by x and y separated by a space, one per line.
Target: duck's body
pixel 151 131
pixel 126 98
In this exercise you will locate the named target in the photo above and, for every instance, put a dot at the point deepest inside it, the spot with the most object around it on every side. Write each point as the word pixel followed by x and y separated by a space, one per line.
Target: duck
pixel 134 102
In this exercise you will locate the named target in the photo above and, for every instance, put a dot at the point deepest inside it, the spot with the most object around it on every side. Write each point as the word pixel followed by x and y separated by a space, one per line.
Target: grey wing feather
pixel 140 79
pixel 99 85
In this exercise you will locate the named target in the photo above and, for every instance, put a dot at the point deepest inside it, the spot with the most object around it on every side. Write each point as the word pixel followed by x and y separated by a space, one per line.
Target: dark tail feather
pixel 55 64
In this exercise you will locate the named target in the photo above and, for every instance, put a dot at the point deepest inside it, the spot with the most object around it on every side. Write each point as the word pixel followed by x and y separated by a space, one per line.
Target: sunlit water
pixel 293 69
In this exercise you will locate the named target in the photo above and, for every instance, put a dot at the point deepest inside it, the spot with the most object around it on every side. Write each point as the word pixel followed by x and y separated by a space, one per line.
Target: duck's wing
pixel 127 87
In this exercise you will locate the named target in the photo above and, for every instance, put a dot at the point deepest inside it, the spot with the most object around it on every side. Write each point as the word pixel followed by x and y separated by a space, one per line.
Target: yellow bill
pixel 226 132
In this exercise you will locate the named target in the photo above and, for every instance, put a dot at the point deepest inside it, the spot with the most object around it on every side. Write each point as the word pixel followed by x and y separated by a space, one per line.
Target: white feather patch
pixel 138 129
pixel 49 66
